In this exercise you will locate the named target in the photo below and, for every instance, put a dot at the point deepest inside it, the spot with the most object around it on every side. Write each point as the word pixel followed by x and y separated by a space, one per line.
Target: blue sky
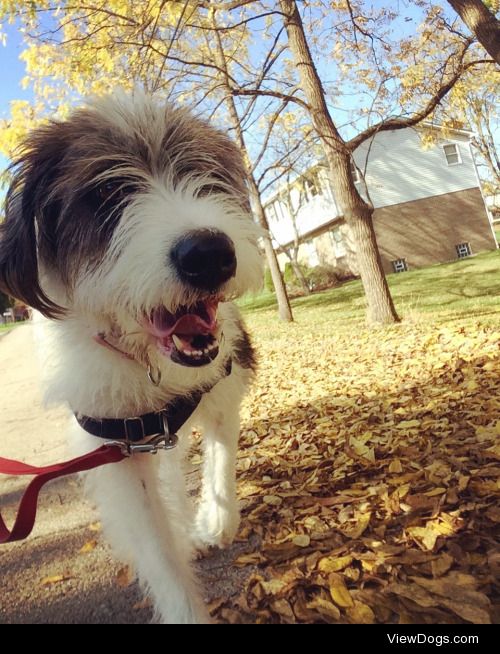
pixel 12 68
pixel 12 72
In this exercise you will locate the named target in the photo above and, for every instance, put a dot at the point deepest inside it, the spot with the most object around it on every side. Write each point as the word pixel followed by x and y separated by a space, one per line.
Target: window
pixel 280 208
pixel 399 265
pixel 271 213
pixel 355 172
pixel 452 154
pixel 312 253
pixel 277 211
pixel 337 241
pixel 312 185
pixel 463 250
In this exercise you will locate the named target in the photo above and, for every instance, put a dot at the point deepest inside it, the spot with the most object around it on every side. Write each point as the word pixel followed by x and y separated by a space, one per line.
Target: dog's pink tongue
pixel 163 324
pixel 200 319
pixel 189 325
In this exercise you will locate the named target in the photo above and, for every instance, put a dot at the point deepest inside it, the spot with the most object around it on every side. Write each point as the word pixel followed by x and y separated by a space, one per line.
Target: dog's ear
pixel 29 211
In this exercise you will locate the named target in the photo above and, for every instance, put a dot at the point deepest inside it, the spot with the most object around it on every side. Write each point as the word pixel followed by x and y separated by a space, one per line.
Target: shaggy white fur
pixel 110 284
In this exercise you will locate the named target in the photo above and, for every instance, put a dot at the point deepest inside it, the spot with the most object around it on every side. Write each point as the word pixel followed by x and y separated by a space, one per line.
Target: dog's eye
pixel 114 190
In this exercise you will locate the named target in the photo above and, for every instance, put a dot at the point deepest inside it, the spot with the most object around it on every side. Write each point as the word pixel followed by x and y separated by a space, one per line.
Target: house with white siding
pixel 428 203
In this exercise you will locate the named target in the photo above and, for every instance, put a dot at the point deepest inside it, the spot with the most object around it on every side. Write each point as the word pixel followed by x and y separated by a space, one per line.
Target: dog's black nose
pixel 205 259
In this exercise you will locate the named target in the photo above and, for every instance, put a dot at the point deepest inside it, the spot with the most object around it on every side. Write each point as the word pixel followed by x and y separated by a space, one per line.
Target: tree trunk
pixel 299 274
pixel 357 213
pixel 297 270
pixel 284 307
pixel 482 23
pixel 359 216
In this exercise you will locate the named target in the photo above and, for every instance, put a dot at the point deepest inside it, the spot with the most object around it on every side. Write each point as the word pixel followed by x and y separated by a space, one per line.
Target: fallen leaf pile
pixel 369 477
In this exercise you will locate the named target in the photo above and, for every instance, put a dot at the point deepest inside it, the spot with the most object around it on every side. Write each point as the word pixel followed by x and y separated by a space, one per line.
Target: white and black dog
pixel 129 224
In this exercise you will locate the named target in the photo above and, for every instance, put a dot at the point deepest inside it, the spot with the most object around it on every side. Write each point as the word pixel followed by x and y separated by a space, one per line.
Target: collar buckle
pixel 161 441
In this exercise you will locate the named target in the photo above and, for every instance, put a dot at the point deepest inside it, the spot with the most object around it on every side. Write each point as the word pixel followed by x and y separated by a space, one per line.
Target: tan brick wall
pixel 426 231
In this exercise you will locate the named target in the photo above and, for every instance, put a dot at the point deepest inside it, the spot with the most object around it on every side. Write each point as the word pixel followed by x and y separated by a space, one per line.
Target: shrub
pixel 321 277
pixel 268 281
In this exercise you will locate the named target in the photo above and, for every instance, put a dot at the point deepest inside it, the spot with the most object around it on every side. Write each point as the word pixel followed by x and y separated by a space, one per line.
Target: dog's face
pixel 135 211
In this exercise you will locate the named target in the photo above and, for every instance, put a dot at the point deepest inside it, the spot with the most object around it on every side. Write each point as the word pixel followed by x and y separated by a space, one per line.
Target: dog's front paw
pixel 215 526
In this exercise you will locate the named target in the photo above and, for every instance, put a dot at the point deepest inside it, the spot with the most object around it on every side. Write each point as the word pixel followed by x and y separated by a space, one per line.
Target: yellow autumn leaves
pixel 368 475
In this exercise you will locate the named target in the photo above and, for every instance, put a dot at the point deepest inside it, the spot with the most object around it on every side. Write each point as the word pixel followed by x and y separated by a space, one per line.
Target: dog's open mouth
pixel 190 336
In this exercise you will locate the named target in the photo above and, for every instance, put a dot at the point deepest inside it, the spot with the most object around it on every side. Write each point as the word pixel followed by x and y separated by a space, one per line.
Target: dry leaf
pixel 272 500
pixel 282 607
pixel 441 565
pixel 360 613
pixel 124 577
pixel 457 591
pixel 334 564
pixel 89 546
pixel 325 608
pixel 435 491
pixel 338 591
pixel 395 466
pixel 358 526
pixel 55 579
pixel 249 559
pixel 273 587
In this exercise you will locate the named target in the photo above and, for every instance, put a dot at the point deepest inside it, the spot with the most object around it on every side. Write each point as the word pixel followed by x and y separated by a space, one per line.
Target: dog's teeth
pixel 197 353
pixel 188 352
pixel 177 342
pixel 206 350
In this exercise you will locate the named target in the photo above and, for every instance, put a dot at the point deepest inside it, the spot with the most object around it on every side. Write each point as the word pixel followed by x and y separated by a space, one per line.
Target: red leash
pixel 27 508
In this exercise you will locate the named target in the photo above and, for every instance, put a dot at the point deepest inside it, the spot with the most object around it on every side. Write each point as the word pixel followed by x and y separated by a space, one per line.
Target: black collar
pixel 159 423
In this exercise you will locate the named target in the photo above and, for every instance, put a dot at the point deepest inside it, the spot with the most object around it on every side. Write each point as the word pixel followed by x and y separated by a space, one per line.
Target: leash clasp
pixel 159 442
pixel 162 441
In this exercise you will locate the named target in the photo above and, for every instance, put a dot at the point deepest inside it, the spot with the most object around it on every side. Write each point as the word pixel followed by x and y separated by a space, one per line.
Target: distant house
pixel 428 204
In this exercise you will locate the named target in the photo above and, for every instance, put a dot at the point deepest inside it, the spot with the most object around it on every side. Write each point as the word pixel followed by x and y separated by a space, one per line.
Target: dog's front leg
pixel 143 525
pixel 217 518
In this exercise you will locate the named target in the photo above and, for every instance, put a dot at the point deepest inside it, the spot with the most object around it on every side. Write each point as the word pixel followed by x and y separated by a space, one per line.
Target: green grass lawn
pixel 464 289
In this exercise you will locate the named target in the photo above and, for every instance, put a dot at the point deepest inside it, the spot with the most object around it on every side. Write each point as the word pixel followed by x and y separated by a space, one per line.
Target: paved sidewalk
pixel 47 579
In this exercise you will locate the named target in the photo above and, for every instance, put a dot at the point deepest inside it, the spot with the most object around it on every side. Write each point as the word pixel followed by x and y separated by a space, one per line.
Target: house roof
pixel 313 232
pixel 321 163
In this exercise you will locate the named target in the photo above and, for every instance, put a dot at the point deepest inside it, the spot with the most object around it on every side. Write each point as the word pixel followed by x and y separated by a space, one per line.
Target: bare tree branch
pixel 401 122
pixel 271 94
pixel 232 26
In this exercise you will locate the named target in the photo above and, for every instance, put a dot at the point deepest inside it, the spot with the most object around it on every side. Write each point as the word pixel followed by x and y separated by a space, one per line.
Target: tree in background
pixel 393 77
pixel 479 16
pixel 433 67
pixel 473 104
pixel 223 60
